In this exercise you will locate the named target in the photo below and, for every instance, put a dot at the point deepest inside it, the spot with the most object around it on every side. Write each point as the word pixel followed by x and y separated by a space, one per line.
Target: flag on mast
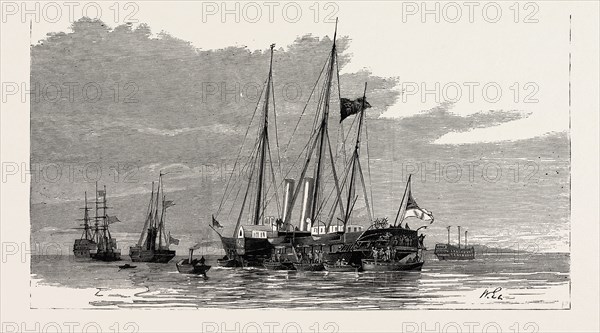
pixel 112 219
pixel 216 223
pixel 410 208
pixel 173 240
pixel 349 107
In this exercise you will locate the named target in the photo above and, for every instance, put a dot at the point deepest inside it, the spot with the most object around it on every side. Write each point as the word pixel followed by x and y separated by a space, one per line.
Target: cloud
pixel 440 125
pixel 215 128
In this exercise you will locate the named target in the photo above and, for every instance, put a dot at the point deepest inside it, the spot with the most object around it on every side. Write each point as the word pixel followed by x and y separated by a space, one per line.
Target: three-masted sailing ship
pixel 106 246
pixel 86 244
pixel 328 234
pixel 154 241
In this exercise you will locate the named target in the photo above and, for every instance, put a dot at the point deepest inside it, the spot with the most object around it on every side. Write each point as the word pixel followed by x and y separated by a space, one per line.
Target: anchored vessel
pixel 453 252
pixel 86 244
pixel 327 233
pixel 106 249
pixel 249 245
pixel 191 265
pixel 153 244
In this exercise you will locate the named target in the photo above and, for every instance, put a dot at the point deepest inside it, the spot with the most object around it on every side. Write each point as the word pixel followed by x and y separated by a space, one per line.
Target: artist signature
pixel 494 294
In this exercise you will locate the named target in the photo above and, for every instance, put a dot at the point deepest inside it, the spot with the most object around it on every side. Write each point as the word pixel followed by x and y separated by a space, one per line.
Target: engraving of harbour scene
pixel 296 175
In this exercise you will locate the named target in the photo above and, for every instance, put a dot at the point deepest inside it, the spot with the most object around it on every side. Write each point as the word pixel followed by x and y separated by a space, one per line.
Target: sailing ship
pixel 83 246
pixel 153 244
pixel 249 245
pixel 453 252
pixel 271 242
pixel 106 249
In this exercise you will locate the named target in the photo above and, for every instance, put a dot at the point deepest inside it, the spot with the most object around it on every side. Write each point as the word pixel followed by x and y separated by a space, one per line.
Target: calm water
pixel 528 281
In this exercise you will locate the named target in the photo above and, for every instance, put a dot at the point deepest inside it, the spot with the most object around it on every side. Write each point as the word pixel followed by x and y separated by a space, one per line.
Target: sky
pixel 395 40
pixel 527 124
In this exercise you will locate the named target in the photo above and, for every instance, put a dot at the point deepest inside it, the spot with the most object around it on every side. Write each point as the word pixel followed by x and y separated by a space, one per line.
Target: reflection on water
pixel 531 281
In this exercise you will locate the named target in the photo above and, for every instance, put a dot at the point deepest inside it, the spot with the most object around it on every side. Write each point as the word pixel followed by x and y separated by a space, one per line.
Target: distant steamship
pixel 453 252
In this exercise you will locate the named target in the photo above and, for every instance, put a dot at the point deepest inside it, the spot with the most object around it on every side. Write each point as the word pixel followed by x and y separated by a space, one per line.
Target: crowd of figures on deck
pixel 388 254
pixel 302 257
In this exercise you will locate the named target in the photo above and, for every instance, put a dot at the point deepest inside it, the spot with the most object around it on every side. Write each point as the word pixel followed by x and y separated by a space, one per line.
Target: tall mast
pixel 459 237
pixel 86 220
pixel 402 202
pixel 323 130
pixel 146 231
pixel 160 226
pixel 355 157
pixel 96 217
pixel 155 217
pixel 106 231
pixel 263 145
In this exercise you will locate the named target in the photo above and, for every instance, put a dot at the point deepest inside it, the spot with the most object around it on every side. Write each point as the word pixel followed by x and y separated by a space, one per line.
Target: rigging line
pixel 402 202
pixel 264 137
pixel 240 187
pixel 274 180
pixel 253 193
pixel 296 161
pixel 345 178
pixel 335 178
pixel 324 203
pixel 345 137
pixel 354 121
pixel 234 200
pixel 318 190
pixel 305 106
pixel 239 153
pixel 302 174
pixel 320 101
pixel 337 65
pixel 276 130
pixel 237 225
pixel 244 168
pixel 148 214
pixel 251 165
pixel 362 179
pixel 227 195
pixel 369 167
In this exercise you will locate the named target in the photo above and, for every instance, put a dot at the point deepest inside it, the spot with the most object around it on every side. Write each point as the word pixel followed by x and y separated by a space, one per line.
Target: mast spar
pixel 263 146
pixel 323 133
pixel 355 161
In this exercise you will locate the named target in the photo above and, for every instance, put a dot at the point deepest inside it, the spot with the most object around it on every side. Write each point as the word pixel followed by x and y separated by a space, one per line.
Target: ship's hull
pixel 247 251
pixel 82 248
pixel 455 257
pixel 106 255
pixel 382 266
pixel 138 254
pixel 354 248
pixel 451 252
pixel 228 263
pixel 351 247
